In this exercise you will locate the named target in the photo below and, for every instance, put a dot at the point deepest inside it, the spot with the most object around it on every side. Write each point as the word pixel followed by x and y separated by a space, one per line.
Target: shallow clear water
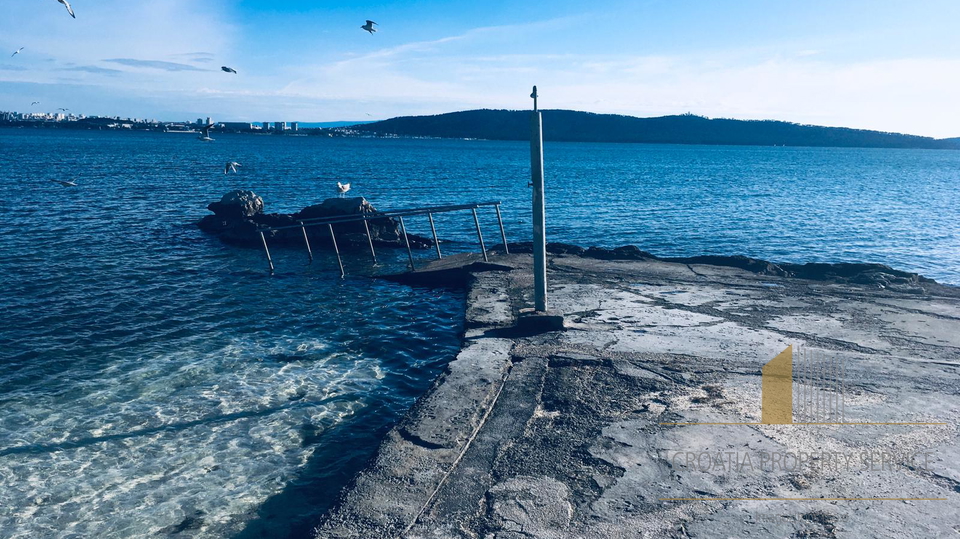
pixel 154 379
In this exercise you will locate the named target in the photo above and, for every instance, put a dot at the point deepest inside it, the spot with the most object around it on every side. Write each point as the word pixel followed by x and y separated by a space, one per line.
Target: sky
pixel 879 64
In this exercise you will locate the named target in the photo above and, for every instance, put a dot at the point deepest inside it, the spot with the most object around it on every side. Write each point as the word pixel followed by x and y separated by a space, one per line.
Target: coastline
pixel 515 436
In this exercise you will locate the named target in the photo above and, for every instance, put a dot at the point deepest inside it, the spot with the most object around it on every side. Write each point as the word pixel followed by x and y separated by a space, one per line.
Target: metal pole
pixel 407 241
pixel 483 248
pixel 267 250
pixel 436 242
pixel 503 235
pixel 539 222
pixel 337 250
pixel 307 241
pixel 366 224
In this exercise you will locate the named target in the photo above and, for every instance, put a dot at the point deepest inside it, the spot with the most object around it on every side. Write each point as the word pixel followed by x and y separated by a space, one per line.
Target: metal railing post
pixel 436 242
pixel 407 241
pixel 366 224
pixel 267 250
pixel 337 250
pixel 503 235
pixel 483 248
pixel 307 241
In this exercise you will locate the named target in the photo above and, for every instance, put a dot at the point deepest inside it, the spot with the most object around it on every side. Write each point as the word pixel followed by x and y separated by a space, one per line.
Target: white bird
pixel 69 9
pixel 34 103
pixel 205 133
pixel 231 166
pixel 369 27
pixel 16 52
pixel 66 183
pixel 226 69
pixel 342 188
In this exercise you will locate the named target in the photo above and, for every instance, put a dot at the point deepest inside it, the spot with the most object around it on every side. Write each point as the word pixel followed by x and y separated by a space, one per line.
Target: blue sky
pixel 892 66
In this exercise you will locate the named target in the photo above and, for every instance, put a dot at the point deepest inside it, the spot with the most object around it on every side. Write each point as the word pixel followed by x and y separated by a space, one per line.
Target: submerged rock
pixel 238 217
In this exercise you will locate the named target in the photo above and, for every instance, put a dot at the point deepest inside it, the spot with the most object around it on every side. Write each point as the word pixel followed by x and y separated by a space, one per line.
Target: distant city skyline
pixel 858 64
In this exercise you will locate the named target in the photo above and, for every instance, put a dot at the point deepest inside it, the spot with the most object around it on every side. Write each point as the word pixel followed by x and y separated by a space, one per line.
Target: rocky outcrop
pixel 877 275
pixel 238 218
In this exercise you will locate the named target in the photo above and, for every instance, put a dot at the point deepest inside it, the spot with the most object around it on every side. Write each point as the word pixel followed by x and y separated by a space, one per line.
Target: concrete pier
pixel 587 432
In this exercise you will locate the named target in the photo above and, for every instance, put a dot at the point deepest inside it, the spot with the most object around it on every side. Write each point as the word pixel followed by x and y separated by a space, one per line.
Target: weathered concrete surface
pixel 563 434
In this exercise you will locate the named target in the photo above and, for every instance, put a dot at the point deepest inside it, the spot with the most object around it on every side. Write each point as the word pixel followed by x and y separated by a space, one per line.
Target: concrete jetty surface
pixel 585 432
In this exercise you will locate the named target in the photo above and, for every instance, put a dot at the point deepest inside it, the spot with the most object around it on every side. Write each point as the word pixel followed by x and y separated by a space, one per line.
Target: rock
pixel 626 252
pixel 237 205
pixel 529 507
pixel 553 248
pixel 385 229
pixel 238 218
pixel 754 265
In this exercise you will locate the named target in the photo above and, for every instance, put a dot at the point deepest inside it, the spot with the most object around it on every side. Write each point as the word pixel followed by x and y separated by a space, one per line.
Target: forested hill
pixel 574 126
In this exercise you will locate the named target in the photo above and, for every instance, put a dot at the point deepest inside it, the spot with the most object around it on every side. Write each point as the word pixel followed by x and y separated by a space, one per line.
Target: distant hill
pixel 313 125
pixel 575 126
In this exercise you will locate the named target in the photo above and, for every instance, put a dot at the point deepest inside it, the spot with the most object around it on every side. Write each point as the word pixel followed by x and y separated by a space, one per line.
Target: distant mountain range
pixel 575 126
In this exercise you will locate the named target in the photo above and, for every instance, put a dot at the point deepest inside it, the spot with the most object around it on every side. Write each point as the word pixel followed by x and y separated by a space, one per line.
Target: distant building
pixel 199 121
pixel 265 126
pixel 294 126
pixel 280 126
pixel 237 126
pixel 209 120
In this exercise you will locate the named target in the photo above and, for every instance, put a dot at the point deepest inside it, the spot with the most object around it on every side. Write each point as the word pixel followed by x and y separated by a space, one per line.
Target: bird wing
pixel 69 9
pixel 346 186
pixel 369 22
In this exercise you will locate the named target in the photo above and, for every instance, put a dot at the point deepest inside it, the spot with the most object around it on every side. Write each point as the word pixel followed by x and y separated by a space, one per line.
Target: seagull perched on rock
pixel 69 9
pixel 369 27
pixel 205 133
pixel 226 69
pixel 66 183
pixel 231 166
pixel 342 188
pixel 16 52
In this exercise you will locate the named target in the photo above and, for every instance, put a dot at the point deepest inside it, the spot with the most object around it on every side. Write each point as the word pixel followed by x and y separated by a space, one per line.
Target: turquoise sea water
pixel 154 380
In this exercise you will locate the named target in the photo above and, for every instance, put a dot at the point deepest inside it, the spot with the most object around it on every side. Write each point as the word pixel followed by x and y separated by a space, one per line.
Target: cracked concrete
pixel 575 434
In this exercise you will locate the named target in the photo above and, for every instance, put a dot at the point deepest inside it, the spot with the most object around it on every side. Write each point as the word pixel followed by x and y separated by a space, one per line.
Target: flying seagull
pixel 17 52
pixel 63 109
pixel 369 27
pixel 231 166
pixel 69 9
pixel 66 183
pixel 205 133
pixel 228 70
pixel 34 103
pixel 342 188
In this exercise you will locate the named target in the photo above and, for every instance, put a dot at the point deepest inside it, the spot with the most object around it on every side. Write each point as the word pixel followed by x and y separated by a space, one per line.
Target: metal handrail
pixel 317 221
pixel 399 214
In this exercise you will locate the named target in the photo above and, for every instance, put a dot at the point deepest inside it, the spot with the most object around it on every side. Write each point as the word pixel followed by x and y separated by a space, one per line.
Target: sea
pixel 156 382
